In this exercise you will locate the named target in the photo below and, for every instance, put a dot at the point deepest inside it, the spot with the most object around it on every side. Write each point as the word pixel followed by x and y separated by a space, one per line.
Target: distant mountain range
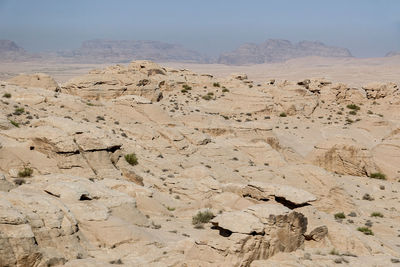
pixel 279 50
pixel 120 51
pixel 127 50
pixel 392 54
pixel 10 51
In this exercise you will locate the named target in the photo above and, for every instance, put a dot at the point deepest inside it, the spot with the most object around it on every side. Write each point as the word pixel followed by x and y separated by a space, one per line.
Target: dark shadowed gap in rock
pixel 84 197
pixel 308 237
pixel 250 196
pixel 254 233
pixel 68 153
pixel 50 193
pixel 289 204
pixel 108 149
pixel 222 232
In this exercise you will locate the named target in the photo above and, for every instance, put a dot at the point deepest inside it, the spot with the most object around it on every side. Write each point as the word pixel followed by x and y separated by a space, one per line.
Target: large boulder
pixel 378 90
pixel 257 232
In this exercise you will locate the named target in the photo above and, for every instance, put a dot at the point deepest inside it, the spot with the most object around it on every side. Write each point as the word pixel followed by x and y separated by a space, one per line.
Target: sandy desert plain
pixel 178 164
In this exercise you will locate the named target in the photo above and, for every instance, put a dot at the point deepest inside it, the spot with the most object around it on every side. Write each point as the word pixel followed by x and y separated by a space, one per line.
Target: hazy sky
pixel 366 27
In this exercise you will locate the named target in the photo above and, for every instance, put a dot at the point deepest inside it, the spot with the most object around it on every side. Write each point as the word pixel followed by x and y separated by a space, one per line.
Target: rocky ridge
pixel 95 51
pixel 226 171
pixel 277 50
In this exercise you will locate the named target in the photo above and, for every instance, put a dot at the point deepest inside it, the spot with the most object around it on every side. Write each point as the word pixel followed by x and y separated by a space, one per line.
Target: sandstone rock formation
pixel 279 50
pixel 105 172
pixel 380 90
pixel 344 156
pixel 38 80
pixel 261 230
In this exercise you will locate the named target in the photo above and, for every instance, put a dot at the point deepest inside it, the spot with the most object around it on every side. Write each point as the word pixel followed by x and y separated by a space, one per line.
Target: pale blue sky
pixel 366 27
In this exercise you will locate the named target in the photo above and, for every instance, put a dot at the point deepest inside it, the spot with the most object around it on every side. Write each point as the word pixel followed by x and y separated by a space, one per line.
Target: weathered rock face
pixel 39 226
pixel 343 156
pixel 387 155
pixel 38 80
pixel 257 232
pixel 380 90
pixel 36 229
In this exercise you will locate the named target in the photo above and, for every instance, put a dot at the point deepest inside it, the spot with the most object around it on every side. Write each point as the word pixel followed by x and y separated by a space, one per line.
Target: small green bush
pixel 353 107
pixel 184 91
pixel 7 95
pixel 202 217
pixel 225 90
pixel 365 230
pixel 131 159
pixel 207 97
pixel 353 112
pixel 334 252
pixel 186 87
pixel 283 114
pixel 25 172
pixel 340 215
pixel 378 175
pixel 16 124
pixel 19 111
pixel 216 85
pixel 377 214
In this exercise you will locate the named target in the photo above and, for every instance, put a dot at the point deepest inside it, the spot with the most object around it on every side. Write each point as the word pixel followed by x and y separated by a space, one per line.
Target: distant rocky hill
pixel 10 51
pixel 392 54
pixel 278 51
pixel 100 50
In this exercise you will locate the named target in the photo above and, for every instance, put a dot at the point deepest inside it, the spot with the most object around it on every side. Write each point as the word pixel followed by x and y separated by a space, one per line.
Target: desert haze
pixel 219 133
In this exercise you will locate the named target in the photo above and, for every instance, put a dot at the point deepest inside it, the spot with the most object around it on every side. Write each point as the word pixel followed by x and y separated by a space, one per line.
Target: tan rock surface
pixel 37 80
pixel 276 186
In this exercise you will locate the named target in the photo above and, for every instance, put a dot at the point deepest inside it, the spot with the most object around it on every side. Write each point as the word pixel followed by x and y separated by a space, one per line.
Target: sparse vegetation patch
pixel 340 215
pixel 353 107
pixel 378 175
pixel 25 172
pixel 365 230
pixel 202 217
pixel 131 159
pixel 377 214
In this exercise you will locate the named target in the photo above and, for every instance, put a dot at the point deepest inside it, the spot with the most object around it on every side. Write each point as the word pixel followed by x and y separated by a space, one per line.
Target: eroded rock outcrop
pixel 257 232
pixel 343 156
pixel 37 80
pixel 380 90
